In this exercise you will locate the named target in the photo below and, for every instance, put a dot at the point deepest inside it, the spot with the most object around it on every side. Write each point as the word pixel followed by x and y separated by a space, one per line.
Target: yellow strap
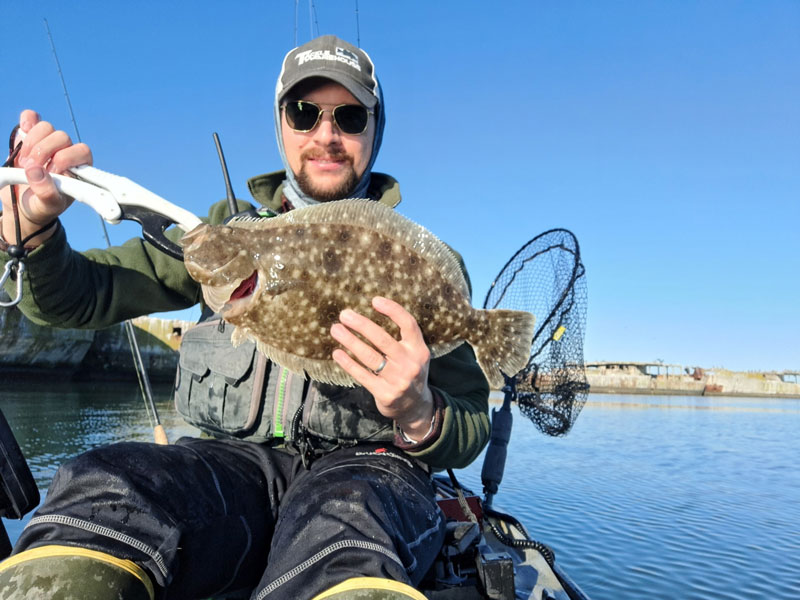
pixel 371 583
pixel 67 551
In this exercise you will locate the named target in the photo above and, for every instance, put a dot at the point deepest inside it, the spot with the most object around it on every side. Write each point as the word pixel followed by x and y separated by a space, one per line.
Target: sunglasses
pixel 303 116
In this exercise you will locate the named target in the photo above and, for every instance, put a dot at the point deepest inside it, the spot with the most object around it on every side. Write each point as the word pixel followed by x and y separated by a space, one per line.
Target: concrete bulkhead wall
pixel 717 382
pixel 28 350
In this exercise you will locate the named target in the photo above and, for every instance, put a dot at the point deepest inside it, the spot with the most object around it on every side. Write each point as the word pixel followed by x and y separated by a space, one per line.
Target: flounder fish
pixel 283 281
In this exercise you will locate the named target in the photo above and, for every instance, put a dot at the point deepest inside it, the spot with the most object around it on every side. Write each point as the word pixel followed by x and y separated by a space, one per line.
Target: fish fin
pixel 443 348
pixel 505 345
pixel 325 371
pixel 247 222
pixel 239 336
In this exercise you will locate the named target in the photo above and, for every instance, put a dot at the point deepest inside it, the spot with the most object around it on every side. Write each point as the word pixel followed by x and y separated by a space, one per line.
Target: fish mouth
pixel 246 288
pixel 242 296
pixel 231 299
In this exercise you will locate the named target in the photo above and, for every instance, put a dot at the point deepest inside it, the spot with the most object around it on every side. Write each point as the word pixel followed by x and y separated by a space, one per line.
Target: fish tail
pixel 502 343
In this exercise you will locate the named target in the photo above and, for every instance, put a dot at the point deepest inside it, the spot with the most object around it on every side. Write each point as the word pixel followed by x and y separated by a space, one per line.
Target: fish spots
pixel 354 287
pixel 331 261
pixel 426 308
pixel 328 314
pixel 384 250
pixel 448 293
pixel 473 323
pixel 326 346
pixel 385 279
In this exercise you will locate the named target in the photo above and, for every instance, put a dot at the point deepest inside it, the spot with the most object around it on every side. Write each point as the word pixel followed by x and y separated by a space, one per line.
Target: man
pixel 339 503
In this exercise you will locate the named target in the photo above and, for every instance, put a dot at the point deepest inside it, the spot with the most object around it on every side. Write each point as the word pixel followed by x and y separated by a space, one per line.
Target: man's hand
pixel 43 151
pixel 401 387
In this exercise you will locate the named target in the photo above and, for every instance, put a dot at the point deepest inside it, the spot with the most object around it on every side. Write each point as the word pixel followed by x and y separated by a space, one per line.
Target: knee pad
pixel 370 588
pixel 67 572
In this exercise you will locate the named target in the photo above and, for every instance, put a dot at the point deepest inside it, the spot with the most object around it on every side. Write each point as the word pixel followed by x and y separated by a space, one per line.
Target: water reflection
pixel 53 425
pixel 721 403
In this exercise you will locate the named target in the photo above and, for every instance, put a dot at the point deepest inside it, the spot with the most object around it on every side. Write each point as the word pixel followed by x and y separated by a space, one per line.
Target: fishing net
pixel 546 277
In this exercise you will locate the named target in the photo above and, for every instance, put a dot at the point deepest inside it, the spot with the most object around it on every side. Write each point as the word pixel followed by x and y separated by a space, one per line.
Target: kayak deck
pixel 488 554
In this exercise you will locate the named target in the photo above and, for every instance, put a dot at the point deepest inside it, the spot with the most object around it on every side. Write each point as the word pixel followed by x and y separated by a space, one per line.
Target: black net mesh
pixel 546 277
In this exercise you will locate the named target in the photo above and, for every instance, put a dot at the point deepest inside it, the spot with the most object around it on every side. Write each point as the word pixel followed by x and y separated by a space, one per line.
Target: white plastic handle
pixel 99 199
pixel 105 203
pixel 130 193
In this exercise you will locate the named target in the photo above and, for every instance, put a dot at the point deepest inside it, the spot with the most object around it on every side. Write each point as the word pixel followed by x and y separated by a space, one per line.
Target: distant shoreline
pixel 660 379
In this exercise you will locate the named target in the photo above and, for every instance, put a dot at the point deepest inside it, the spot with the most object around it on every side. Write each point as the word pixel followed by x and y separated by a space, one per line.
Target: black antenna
pixel 228 189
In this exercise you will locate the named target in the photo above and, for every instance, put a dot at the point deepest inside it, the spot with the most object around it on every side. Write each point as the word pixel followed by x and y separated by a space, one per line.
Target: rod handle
pixel 160 436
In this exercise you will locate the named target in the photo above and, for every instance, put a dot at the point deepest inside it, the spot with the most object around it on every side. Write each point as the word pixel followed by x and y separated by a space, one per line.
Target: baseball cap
pixel 329 57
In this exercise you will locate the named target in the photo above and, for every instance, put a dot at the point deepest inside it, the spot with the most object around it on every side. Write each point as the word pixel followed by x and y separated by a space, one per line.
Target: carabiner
pixel 17 265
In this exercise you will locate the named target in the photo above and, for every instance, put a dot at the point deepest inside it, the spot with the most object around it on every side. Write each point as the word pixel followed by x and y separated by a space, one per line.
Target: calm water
pixel 647 497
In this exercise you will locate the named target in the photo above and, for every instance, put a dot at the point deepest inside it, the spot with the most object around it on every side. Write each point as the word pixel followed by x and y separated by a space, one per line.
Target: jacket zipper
pixel 278 415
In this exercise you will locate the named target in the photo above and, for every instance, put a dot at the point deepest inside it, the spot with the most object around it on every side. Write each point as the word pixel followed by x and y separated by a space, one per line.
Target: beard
pixel 342 189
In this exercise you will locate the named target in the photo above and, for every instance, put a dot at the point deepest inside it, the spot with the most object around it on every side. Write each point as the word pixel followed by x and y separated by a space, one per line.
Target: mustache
pixel 334 153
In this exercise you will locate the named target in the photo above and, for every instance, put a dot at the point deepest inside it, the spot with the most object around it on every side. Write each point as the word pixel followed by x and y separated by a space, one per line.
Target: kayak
pixel 490 555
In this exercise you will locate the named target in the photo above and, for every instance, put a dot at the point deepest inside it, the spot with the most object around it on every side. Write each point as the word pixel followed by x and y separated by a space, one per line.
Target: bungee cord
pixel 15 267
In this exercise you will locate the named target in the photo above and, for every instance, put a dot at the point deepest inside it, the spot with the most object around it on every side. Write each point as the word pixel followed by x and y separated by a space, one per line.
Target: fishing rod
pixel 358 29
pixel 159 434
pixel 312 18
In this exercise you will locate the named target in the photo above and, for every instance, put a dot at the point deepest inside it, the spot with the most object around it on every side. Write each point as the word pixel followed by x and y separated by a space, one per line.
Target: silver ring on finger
pixel 380 367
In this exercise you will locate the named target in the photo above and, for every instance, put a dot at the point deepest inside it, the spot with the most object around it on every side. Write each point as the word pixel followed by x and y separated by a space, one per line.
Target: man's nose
pixel 327 129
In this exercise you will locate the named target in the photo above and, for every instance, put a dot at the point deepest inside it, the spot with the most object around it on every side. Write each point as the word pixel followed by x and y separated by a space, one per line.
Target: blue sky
pixel 665 135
